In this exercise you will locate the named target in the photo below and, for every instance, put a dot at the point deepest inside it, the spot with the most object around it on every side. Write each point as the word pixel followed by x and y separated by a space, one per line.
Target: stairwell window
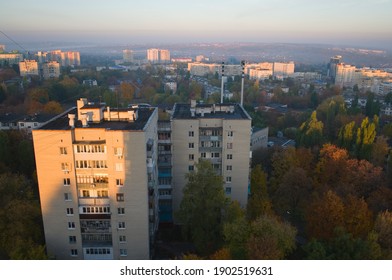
pixel 63 150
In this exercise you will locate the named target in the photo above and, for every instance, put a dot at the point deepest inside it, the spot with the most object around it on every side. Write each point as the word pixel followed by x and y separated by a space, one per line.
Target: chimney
pixel 84 120
pixel 89 116
pixel 80 103
pixel 132 115
pixel 71 120
pixel 108 110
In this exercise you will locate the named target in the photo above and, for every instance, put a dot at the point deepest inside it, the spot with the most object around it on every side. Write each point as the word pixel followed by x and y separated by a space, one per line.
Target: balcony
pixel 94 239
pixel 165 197
pixel 93 185
pixel 104 201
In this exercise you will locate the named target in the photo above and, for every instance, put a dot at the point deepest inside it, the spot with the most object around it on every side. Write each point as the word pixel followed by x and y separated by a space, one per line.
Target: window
pixel 120 197
pixel 228 179
pixel 72 239
pixel 229 156
pixel 215 155
pixel 65 166
pixel 191 145
pixel 121 210
pixel 98 251
pixel 74 252
pixel 67 181
pixel 230 133
pixel 70 211
pixel 191 168
pixel 229 145
pixel 121 225
pixel 119 182
pixel 71 225
pixel 191 156
pixel 191 134
pixel 229 168
pixel 67 197
pixel 118 151
pixel 119 167
pixel 122 238
pixel 102 193
pixel 63 150
pixel 228 190
pixel 123 252
pixel 203 155
pixel 85 193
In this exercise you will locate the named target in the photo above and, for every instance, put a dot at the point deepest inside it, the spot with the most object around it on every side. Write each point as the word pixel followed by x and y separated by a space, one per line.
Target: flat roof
pixel 62 122
pixel 183 111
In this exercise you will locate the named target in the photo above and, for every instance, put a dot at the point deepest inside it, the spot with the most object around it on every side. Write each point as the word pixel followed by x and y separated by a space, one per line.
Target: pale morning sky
pixel 361 22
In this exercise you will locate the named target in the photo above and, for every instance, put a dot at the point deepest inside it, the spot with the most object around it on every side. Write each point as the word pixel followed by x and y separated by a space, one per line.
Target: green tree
pixel 270 239
pixel 236 234
pixel 379 153
pixel 202 208
pixel 366 134
pixel 346 136
pixel 259 202
pixel 383 227
pixel 21 234
pixel 291 197
pixel 372 106
pixel 311 132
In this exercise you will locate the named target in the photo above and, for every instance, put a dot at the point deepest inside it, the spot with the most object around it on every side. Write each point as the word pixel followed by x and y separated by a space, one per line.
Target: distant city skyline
pixel 351 22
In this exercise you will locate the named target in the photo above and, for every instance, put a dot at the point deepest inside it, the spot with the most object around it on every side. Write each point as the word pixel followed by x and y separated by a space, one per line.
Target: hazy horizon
pixel 360 23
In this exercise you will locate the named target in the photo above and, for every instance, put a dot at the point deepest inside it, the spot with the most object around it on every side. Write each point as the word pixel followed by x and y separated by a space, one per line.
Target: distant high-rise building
pixel 128 55
pixel 333 62
pixel 10 58
pixel 50 70
pixel 2 48
pixel 158 55
pixel 283 69
pixel 70 58
pixel 344 74
pixel 153 55
pixel 164 56
pixel 28 68
pixel 97 177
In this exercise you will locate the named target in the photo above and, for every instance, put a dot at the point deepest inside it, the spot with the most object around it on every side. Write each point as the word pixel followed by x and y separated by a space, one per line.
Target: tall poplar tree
pixel 203 207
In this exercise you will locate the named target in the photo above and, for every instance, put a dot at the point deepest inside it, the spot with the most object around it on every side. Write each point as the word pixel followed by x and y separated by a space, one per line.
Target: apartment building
pixel 158 55
pixel 165 167
pixel 219 133
pixel 97 174
pixel 128 55
pixel 69 58
pixel 10 58
pixel 50 70
pixel 28 68
pixel 283 69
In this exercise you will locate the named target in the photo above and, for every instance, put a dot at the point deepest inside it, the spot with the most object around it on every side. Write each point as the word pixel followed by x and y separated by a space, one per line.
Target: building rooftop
pixel 212 111
pixel 63 121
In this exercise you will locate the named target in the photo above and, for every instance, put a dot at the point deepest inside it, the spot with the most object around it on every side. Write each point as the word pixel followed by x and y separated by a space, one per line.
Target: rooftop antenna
pixel 242 81
pixel 222 85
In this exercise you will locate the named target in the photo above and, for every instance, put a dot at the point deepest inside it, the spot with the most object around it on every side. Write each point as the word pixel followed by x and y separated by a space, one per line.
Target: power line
pixel 20 46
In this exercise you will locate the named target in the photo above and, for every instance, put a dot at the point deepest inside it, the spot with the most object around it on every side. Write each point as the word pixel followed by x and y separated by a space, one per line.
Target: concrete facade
pixel 97 178
pixel 219 133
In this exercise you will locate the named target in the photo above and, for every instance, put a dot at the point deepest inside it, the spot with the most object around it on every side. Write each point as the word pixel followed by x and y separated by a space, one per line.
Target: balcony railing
pixel 93 185
pixel 94 201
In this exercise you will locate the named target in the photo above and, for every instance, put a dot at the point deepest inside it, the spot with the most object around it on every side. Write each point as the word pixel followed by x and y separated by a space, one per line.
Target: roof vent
pixel 71 120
